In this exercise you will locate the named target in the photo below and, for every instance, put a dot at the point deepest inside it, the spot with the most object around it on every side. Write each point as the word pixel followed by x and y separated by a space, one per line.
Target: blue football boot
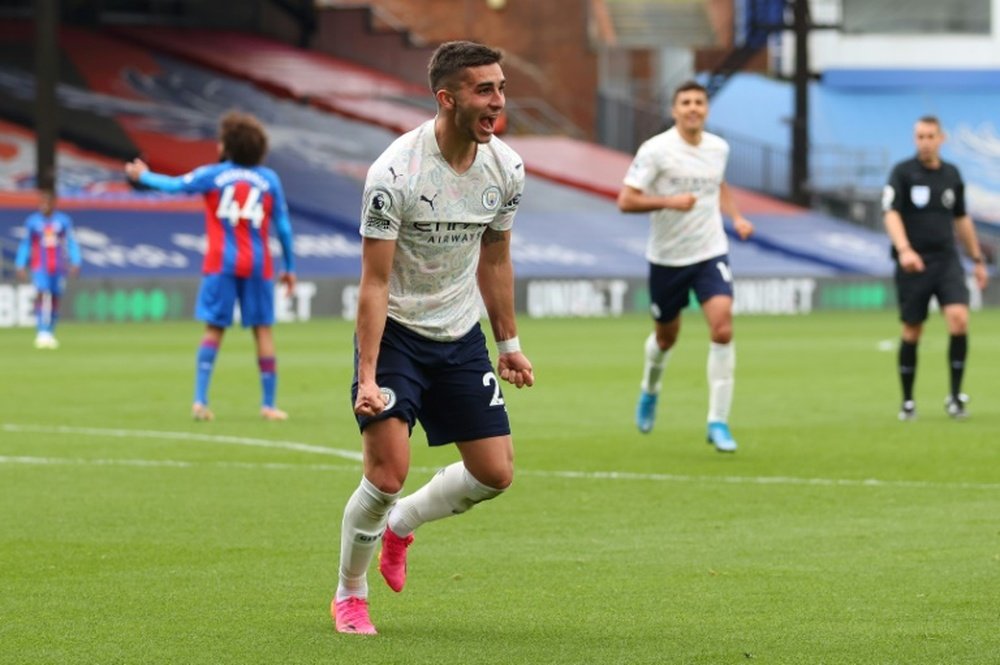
pixel 645 412
pixel 720 437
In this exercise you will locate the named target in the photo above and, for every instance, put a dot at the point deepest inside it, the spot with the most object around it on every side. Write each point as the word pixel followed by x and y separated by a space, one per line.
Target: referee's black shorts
pixel 943 277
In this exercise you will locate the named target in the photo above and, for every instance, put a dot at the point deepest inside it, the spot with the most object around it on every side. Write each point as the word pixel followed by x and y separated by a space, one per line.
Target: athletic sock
pixel 721 371
pixel 268 380
pixel 53 313
pixel 452 491
pixel 655 362
pixel 907 367
pixel 39 316
pixel 363 524
pixel 43 313
pixel 207 352
pixel 958 349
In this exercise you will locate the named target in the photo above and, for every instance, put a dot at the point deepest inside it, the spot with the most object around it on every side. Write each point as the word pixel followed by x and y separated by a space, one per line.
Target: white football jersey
pixel 666 165
pixel 437 218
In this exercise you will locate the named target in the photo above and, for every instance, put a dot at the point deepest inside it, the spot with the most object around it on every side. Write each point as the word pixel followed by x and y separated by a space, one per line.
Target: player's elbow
pixel 631 199
pixel 624 202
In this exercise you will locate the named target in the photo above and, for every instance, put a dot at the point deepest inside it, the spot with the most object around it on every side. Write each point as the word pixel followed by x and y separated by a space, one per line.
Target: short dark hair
pixel 243 138
pixel 930 120
pixel 451 58
pixel 685 87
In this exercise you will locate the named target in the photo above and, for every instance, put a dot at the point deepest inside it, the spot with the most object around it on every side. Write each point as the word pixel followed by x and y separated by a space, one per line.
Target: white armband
pixel 509 345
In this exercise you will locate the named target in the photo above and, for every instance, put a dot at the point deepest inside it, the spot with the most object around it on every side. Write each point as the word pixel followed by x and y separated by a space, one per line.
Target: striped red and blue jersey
pixel 47 241
pixel 242 203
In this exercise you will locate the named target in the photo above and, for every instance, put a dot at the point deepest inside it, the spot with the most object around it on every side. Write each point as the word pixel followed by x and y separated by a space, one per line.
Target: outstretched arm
pixel 496 284
pixel 138 172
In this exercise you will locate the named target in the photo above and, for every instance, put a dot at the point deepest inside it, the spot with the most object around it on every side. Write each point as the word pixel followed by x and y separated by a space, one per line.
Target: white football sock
pixel 721 370
pixel 452 491
pixel 364 521
pixel 656 361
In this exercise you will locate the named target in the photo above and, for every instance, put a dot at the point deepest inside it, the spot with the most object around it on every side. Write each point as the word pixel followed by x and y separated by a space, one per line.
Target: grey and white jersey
pixel 666 165
pixel 437 218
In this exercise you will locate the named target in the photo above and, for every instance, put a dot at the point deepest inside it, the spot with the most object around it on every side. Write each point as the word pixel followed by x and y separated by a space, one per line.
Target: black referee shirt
pixel 929 201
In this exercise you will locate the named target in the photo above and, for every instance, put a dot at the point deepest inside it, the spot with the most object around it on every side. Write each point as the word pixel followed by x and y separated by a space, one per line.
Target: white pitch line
pixel 355 456
pixel 173 464
pixel 762 480
pixel 184 436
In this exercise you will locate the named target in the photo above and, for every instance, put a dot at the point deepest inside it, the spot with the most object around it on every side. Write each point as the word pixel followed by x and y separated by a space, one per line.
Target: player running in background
pixel 924 204
pixel 678 176
pixel 48 238
pixel 436 222
pixel 242 201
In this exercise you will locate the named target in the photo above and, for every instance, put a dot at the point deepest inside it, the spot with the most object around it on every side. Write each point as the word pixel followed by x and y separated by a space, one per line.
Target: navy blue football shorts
pixel 669 286
pixel 449 387
pixel 219 294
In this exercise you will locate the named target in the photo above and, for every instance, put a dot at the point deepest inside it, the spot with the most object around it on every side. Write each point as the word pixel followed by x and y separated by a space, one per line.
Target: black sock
pixel 958 348
pixel 907 367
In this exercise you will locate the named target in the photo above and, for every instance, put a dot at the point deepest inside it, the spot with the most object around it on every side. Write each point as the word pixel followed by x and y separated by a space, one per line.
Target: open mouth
pixel 488 123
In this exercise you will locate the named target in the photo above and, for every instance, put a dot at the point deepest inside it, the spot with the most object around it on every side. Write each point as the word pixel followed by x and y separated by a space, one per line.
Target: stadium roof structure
pixel 164 89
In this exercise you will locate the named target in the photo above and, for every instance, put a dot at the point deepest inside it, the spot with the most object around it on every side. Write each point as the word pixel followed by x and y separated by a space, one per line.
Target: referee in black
pixel 924 205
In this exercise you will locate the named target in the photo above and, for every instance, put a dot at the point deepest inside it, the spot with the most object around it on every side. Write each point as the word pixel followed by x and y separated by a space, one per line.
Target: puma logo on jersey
pixel 429 201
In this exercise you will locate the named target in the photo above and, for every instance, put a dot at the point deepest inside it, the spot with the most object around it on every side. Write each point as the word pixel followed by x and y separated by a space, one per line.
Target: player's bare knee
pixel 911 332
pixel 958 323
pixel 722 333
pixel 666 341
pixel 495 476
pixel 499 481
pixel 391 487
pixel 386 480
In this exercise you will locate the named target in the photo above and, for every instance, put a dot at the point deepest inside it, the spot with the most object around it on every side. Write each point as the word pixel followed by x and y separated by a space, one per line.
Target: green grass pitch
pixel 129 534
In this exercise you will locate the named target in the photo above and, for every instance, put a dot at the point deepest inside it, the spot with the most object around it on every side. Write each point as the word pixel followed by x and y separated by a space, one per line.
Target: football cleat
pixel 271 413
pixel 45 340
pixel 955 406
pixel 720 437
pixel 201 412
pixel 645 412
pixel 351 616
pixel 392 559
pixel 908 411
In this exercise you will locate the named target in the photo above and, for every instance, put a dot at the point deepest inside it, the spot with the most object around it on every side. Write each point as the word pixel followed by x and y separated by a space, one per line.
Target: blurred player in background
pixel 242 201
pixel 438 207
pixel 678 176
pixel 48 239
pixel 924 204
